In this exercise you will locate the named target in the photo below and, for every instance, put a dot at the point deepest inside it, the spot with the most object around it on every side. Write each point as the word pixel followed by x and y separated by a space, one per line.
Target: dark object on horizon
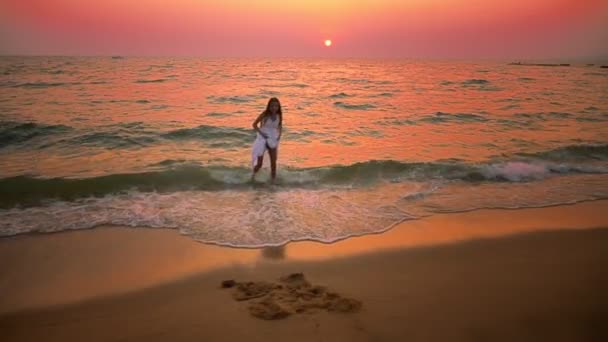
pixel 590 64
pixel 117 57
pixel 539 64
pixel 604 67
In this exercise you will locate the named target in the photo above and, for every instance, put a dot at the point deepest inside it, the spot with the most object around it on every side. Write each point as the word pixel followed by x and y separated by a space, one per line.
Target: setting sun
pixel 327 42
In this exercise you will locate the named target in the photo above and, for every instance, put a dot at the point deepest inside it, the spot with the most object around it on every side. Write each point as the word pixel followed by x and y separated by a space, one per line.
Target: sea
pixel 165 142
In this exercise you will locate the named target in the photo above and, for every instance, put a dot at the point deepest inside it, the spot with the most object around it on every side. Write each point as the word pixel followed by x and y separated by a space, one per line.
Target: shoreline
pixel 339 240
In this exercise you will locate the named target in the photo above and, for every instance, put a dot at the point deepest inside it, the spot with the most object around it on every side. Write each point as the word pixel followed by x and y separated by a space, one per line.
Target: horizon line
pixel 485 58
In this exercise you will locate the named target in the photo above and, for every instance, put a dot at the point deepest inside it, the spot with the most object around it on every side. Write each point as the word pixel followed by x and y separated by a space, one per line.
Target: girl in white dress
pixel 268 136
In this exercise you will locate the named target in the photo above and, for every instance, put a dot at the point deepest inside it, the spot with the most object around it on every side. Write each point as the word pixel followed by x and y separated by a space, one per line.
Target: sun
pixel 328 42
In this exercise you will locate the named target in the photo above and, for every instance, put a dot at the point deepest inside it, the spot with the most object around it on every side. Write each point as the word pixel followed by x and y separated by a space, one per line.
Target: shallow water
pixel 165 142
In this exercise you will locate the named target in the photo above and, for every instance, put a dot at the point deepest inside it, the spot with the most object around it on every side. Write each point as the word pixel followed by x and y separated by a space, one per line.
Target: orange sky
pixel 358 28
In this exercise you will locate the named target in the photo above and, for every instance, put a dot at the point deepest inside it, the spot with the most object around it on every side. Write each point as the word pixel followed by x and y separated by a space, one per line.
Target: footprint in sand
pixel 292 294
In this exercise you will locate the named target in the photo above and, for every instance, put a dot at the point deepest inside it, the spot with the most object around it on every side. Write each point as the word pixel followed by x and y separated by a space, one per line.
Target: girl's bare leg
pixel 273 163
pixel 258 166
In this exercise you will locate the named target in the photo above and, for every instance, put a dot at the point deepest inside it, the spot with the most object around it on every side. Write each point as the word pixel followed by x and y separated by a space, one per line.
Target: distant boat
pixel 590 64
pixel 604 67
pixel 117 57
pixel 540 64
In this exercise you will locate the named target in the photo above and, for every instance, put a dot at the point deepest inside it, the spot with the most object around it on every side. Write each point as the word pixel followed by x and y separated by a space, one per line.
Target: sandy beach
pixel 506 275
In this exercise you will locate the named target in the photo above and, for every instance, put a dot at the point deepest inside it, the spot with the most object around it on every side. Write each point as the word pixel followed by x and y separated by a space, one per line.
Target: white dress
pixel 271 129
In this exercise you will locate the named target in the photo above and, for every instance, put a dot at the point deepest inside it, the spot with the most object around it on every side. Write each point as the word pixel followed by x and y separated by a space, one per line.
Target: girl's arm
pixel 280 127
pixel 256 128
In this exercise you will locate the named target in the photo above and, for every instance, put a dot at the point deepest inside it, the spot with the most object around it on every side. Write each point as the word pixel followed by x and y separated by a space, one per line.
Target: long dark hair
pixel 267 110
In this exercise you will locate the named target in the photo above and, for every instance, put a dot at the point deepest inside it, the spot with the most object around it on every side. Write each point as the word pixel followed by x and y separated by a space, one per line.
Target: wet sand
pixel 533 274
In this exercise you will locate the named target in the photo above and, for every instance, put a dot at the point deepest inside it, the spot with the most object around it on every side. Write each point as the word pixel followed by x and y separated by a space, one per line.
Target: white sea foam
pixel 273 216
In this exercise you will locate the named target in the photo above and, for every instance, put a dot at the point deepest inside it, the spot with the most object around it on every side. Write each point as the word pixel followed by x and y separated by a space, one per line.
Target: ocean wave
pixel 397 122
pixel 591 119
pixel 282 85
pixel 205 132
pixel 218 114
pixel 122 135
pixel 232 99
pixel 519 124
pixel 479 84
pixel 573 153
pixel 295 85
pixel 41 85
pixel 137 134
pixel 181 175
pixel 52 71
pixel 351 80
pixel 363 106
pixel 25 190
pixel 475 81
pixel 340 96
pixel 108 140
pixel 301 136
pixel 158 80
pixel 12 132
pixel 441 117
pixel 516 121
